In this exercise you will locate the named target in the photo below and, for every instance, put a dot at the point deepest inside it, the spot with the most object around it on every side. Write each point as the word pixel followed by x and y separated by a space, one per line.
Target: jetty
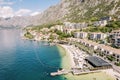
pixel 60 72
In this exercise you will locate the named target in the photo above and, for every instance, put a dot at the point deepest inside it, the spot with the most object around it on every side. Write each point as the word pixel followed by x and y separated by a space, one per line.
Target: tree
pixel 28 35
pixel 51 37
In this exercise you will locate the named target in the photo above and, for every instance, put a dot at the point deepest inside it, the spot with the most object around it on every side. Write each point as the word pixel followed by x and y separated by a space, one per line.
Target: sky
pixel 10 8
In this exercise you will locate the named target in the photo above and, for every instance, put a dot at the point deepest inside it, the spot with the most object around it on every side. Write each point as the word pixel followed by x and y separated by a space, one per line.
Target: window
pixel 117 59
pixel 113 54
pixel 117 56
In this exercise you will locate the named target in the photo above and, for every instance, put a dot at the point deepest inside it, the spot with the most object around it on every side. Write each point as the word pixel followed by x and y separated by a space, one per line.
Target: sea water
pixel 26 60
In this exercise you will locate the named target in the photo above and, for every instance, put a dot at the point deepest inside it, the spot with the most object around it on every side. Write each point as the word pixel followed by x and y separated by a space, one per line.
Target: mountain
pixel 15 22
pixel 68 10
pixel 80 10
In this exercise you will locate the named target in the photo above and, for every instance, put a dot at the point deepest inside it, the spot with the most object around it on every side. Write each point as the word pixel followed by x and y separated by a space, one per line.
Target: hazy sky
pixel 9 8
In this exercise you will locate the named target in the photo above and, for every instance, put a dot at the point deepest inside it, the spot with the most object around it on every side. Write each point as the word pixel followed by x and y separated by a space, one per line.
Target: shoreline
pixel 68 54
pixel 65 57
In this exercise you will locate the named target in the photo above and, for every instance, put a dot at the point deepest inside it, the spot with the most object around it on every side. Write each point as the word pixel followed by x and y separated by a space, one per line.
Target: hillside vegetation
pixel 113 25
pixel 80 10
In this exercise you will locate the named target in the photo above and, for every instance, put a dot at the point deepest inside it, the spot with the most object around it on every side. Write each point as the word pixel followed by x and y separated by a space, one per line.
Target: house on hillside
pixel 107 18
pixel 101 23
pixel 59 27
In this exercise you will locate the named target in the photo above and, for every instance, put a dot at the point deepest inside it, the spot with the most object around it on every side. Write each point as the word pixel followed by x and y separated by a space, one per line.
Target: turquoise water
pixel 26 60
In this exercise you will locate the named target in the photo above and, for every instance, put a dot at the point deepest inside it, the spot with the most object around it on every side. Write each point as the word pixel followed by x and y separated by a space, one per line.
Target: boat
pixel 52 44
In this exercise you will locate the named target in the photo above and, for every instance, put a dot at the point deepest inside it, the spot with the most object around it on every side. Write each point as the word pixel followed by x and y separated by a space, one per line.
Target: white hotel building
pixel 68 26
pixel 97 36
pixel 116 37
pixel 105 50
pixel 80 35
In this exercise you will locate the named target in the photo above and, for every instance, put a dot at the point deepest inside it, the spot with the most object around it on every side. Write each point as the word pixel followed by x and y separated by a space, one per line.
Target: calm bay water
pixel 26 60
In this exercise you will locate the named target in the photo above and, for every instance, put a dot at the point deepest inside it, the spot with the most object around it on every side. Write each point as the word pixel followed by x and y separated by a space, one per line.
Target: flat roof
pixel 97 62
pixel 89 42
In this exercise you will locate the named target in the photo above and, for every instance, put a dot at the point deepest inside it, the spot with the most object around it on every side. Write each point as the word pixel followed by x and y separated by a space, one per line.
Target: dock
pixel 84 72
pixel 74 72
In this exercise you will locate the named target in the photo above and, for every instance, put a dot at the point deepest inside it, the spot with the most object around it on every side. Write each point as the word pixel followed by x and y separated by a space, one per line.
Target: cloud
pixel 7 11
pixel 3 2
pixel 34 13
pixel 23 12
